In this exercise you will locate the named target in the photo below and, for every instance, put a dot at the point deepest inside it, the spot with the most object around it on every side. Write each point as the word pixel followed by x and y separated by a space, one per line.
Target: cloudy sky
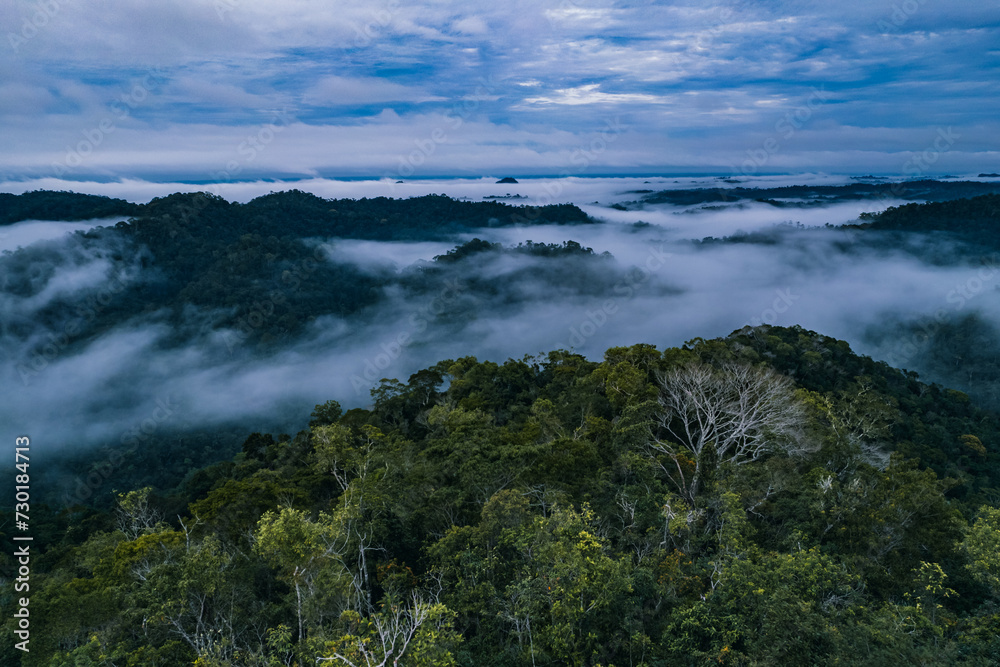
pixel 225 90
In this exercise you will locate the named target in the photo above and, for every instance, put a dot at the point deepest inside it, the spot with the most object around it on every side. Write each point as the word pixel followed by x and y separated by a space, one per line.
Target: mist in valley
pixel 657 274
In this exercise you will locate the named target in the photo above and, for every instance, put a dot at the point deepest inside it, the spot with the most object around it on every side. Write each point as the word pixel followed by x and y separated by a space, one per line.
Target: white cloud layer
pixel 697 85
pixel 821 279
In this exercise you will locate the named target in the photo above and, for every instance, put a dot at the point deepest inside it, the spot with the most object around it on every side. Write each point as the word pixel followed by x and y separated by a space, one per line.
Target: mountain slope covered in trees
pixel 50 205
pixel 768 498
pixel 925 190
pixel 232 260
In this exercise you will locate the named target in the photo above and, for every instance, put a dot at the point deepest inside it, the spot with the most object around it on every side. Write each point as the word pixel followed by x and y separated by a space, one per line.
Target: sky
pixel 230 90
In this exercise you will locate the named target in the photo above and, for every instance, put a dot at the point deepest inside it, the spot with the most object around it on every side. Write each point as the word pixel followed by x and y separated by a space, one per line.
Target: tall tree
pixel 710 416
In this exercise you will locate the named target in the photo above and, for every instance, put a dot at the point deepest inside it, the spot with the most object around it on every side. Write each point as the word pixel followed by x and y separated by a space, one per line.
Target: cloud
pixel 471 25
pixel 28 232
pixel 24 99
pixel 690 79
pixel 590 94
pixel 360 91
pixel 200 93
pixel 659 288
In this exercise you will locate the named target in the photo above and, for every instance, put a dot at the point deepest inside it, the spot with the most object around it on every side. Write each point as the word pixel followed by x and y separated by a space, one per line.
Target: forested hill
pixel 287 213
pixel 976 220
pixel 49 205
pixel 823 195
pixel 227 258
pixel 769 498
pixel 218 254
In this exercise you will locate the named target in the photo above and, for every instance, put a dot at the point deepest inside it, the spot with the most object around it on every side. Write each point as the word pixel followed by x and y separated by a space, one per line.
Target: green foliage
pixel 971 219
pixel 402 632
pixel 982 547
pixel 548 583
pixel 495 514
pixel 48 205
pixel 327 413
pixel 767 609
pixel 923 190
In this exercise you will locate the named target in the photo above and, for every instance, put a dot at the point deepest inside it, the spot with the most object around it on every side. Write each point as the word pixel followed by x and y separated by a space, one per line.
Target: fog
pixel 69 392
pixel 27 232
pixel 574 188
pixel 579 187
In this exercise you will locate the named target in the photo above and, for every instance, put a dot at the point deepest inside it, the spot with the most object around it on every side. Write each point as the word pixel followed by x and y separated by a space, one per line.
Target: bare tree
pixel 710 416
pixel 391 635
pixel 862 420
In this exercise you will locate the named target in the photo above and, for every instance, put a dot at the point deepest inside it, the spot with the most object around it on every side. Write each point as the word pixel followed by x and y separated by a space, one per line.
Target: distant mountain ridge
pixel 923 190
pixel 295 211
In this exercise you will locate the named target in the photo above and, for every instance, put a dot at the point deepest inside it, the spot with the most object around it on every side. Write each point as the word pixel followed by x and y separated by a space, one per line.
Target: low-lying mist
pixel 654 276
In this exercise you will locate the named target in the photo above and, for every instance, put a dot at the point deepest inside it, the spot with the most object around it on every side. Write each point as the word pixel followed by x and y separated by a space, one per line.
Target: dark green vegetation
pixel 975 220
pixel 819 195
pixel 291 212
pixel 192 265
pixel 236 262
pixel 954 346
pixel 47 205
pixel 765 499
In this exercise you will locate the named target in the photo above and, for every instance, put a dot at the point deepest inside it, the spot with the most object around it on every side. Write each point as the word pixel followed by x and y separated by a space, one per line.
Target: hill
pixel 227 261
pixel 764 498
pixel 66 206
pixel 822 195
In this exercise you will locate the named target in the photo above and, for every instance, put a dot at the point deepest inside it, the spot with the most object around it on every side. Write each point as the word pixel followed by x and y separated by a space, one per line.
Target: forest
pixel 767 498
pixel 200 250
pixel 923 190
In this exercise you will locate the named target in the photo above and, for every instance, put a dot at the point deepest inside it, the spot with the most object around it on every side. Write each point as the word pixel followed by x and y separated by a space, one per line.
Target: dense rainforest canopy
pixel 200 250
pixel 769 498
